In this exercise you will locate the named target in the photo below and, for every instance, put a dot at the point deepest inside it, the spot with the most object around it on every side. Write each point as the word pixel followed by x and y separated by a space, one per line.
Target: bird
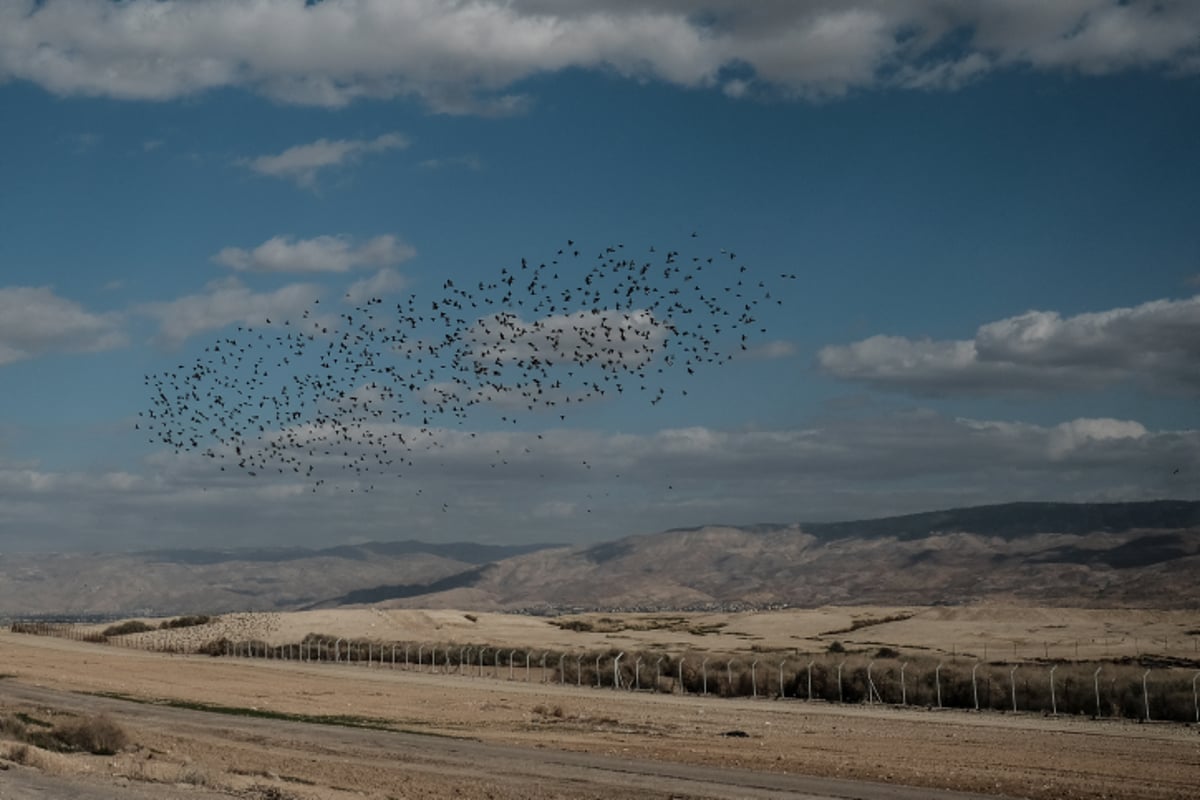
pixel 340 399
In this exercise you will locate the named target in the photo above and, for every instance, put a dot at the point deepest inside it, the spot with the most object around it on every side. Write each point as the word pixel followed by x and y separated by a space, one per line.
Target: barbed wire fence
pixel 1146 688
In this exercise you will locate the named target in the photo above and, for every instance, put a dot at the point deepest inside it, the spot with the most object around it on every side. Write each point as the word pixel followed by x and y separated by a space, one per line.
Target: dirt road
pixel 453 735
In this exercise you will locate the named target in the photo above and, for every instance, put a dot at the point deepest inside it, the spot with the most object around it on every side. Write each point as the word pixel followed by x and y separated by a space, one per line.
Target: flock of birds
pixel 343 396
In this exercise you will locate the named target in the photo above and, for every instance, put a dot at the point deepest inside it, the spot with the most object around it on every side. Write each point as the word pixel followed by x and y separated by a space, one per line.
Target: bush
pixel 186 622
pixel 836 647
pixel 126 628
pixel 214 647
pixel 97 735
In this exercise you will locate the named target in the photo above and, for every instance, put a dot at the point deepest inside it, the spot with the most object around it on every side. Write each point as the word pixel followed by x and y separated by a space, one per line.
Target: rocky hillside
pixel 1121 554
pixel 1098 555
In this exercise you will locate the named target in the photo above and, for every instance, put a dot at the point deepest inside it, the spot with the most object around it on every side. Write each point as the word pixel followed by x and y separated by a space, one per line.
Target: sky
pixel 989 211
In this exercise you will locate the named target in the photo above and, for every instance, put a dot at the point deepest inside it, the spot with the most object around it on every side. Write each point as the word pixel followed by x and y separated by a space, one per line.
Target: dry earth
pixel 983 631
pixel 1010 754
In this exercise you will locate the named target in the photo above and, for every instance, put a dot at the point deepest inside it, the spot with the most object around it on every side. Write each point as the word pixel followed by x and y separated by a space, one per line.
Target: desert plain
pixel 201 726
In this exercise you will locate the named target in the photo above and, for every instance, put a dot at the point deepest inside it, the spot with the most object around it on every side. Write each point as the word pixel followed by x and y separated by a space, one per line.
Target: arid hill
pixel 1084 555
pixel 1095 555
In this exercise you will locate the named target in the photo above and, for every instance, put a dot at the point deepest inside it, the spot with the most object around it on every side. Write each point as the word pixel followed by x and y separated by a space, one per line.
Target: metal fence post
pixel 1053 698
pixel 1195 697
pixel 1146 693
pixel 1012 680
pixel 975 685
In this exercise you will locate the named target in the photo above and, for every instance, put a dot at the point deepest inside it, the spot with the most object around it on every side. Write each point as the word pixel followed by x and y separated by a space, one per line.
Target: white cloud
pixel 1156 342
pixel 564 484
pixel 612 340
pixel 35 321
pixel 320 254
pixel 776 348
pixel 466 57
pixel 384 282
pixel 471 162
pixel 302 162
pixel 227 302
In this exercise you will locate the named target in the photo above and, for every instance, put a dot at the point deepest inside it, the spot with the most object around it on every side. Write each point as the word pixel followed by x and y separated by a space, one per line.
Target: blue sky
pixel 990 212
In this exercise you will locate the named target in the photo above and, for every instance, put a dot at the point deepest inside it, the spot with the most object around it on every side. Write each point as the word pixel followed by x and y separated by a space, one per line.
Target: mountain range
pixel 1096 555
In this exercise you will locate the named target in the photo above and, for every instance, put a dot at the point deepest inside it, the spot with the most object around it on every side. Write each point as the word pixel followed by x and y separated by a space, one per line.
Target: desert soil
pixel 666 741
pixel 985 631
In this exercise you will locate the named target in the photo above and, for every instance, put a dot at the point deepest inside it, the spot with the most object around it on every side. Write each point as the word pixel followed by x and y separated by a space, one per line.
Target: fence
pixel 1136 689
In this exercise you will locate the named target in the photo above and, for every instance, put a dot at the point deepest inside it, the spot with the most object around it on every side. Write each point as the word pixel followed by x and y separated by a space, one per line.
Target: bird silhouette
pixel 373 389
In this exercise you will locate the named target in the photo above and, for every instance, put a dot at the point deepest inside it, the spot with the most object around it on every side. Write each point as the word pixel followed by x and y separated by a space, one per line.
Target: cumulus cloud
pixel 227 302
pixel 384 282
pixel 303 162
pixel 776 348
pixel 570 484
pixel 320 254
pixel 1157 342
pixel 471 162
pixel 35 321
pixel 466 57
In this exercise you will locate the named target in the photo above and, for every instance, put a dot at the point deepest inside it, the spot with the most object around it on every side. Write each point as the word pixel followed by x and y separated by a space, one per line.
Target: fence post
pixel 528 655
pixel 658 673
pixel 481 652
pixel 617 670
pixel 598 658
pixel 754 678
pixel 682 688
pixel 729 675
pixel 512 654
pixel 1195 697
pixel 1053 698
pixel 903 687
pixel 781 663
pixel 871 685
pixel 420 656
pixel 578 671
pixel 562 675
pixel 1146 693
pixel 937 678
pixel 637 674
pixel 1096 685
pixel 975 685
pixel 1012 680
pixel 810 666
pixel 840 696
pixel 704 675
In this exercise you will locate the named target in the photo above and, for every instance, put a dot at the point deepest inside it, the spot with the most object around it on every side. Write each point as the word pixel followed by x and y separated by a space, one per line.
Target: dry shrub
pixel 97 735
pixel 194 776
pixel 126 628
pixel 12 727
pixel 19 754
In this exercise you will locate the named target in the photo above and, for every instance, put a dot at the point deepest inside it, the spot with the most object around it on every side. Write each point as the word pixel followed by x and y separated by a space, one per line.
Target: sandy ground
pixel 986 632
pixel 1006 754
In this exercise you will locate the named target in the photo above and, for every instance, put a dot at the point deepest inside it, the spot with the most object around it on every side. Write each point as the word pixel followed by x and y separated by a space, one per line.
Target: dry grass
pixel 97 735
